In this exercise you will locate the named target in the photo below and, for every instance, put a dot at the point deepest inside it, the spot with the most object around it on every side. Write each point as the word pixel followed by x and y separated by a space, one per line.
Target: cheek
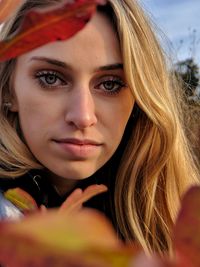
pixel 30 109
pixel 33 105
pixel 118 126
pixel 31 124
pixel 123 110
pixel 34 116
pixel 116 116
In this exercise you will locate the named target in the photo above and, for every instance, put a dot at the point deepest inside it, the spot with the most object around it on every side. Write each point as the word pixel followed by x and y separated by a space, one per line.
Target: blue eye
pixel 111 85
pixel 49 79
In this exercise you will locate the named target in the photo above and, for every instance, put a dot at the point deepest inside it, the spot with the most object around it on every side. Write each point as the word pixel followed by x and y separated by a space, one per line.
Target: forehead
pixel 97 41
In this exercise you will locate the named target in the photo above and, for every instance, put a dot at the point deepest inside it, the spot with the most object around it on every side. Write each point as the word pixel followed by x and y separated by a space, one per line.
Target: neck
pixel 61 185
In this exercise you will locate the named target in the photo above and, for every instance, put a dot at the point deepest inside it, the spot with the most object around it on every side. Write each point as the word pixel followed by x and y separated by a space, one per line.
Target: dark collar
pixel 37 185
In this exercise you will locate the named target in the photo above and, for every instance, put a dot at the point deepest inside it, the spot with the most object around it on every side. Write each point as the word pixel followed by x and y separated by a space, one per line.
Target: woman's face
pixel 72 100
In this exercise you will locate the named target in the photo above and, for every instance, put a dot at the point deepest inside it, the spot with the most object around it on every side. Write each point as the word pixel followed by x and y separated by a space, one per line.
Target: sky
pixel 180 22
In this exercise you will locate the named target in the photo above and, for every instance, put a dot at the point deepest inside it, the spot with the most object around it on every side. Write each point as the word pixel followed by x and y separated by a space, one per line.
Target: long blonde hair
pixel 157 165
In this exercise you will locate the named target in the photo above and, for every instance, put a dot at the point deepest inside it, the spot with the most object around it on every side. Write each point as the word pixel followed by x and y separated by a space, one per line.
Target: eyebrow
pixel 111 67
pixel 64 65
pixel 51 61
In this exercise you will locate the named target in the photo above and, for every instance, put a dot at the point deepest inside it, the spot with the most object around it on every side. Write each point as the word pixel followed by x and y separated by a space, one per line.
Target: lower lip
pixel 79 151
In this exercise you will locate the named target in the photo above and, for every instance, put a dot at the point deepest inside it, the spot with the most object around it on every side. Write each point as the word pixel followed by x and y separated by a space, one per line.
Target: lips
pixel 78 148
pixel 78 141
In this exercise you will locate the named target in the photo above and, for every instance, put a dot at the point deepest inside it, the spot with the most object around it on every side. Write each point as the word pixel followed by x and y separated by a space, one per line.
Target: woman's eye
pixel 111 86
pixel 49 79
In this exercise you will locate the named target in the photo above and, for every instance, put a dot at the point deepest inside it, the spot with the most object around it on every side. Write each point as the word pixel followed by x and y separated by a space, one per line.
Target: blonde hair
pixel 157 166
pixel 15 157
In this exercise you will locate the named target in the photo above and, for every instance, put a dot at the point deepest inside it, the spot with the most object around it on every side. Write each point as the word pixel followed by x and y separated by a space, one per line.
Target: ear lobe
pixel 11 104
pixel 14 106
pixel 14 102
pixel 8 106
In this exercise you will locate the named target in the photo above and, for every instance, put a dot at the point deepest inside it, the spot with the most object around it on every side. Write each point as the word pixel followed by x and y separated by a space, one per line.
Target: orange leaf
pixel 59 239
pixel 43 26
pixel 187 230
pixel 75 201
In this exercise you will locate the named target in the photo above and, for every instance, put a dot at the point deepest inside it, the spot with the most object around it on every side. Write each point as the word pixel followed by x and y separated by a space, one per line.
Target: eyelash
pixel 44 74
pixel 115 81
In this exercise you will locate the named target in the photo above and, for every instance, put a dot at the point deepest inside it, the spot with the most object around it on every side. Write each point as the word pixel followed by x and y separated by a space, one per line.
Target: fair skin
pixel 73 102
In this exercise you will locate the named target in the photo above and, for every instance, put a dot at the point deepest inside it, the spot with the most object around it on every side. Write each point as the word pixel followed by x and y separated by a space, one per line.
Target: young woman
pixel 100 107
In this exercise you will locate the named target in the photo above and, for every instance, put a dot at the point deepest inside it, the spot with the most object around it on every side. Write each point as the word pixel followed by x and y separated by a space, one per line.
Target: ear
pixel 13 100
pixel 14 104
pixel 11 95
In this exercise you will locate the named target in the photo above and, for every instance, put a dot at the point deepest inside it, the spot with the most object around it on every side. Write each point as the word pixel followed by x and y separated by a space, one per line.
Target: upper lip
pixel 78 141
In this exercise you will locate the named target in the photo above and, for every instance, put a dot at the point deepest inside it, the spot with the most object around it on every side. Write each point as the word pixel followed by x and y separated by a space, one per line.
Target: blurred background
pixel 180 21
pixel 179 25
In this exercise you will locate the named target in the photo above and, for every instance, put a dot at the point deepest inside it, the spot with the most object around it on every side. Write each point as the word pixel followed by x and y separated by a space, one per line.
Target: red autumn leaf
pixel 153 261
pixel 82 239
pixel 43 26
pixel 187 231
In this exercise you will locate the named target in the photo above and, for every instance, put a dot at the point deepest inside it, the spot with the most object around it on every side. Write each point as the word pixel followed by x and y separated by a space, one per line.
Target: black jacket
pixel 37 185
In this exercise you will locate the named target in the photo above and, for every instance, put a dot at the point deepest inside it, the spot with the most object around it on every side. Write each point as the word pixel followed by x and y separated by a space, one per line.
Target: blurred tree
pixel 188 71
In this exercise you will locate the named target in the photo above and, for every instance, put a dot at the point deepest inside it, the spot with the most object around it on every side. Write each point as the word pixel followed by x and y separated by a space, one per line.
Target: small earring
pixel 7 105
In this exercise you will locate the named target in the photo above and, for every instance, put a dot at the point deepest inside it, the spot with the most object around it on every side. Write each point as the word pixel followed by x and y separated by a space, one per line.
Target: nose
pixel 81 109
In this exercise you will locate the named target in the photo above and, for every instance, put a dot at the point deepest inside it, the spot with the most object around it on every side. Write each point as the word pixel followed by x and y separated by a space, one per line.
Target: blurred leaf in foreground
pixel 21 199
pixel 42 26
pixel 83 238
pixel 187 230
pixel 73 236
